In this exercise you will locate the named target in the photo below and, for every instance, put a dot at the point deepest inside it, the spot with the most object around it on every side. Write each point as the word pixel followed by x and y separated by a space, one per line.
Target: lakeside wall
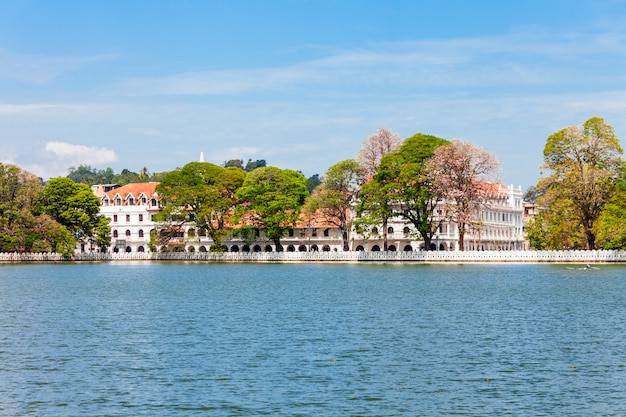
pixel 594 256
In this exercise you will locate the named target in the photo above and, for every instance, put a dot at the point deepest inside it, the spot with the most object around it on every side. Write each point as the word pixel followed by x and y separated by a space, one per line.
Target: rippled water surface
pixel 155 339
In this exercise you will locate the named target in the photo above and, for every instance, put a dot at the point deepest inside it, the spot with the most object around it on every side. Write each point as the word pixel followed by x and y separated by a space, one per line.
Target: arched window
pixel 408 248
pixel 140 233
pixel 141 249
pixel 360 248
pixel 326 248
pixel 391 248
pixel 301 248
pixel 390 230
pixel 374 230
pixel 127 233
pixel 375 248
pixel 115 234
pixel 406 231
pixel 268 248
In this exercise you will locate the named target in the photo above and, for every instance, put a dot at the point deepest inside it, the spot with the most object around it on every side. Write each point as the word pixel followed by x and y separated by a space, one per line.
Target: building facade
pixel 130 208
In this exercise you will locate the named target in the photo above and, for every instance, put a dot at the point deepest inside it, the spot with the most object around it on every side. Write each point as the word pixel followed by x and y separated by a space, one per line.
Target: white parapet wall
pixel 594 256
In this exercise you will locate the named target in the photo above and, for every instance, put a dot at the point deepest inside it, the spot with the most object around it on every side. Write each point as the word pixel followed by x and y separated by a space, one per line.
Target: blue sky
pixel 299 83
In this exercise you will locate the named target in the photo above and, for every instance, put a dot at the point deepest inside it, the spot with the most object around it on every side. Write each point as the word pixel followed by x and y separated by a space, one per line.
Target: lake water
pixel 159 339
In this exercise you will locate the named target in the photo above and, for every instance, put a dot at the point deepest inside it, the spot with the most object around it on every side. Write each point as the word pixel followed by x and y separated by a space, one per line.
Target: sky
pixel 129 84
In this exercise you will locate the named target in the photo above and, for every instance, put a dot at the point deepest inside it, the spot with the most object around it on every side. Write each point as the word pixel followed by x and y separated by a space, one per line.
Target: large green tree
pixel 272 200
pixel 332 199
pixel 583 163
pixel 610 228
pixel 77 208
pixel 22 225
pixel 203 193
pixel 405 179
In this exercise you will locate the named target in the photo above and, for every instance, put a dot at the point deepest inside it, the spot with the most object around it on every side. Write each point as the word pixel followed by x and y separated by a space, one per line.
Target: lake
pixel 196 339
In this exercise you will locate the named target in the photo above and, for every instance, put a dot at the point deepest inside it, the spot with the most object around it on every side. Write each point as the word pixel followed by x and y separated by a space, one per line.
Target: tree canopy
pixel 460 173
pixel 202 193
pixel 583 163
pixel 272 199
pixel 335 194
pixel 77 208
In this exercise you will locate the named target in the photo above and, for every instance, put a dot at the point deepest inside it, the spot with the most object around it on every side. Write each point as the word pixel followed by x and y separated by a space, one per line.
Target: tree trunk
pixel 461 237
pixel 385 235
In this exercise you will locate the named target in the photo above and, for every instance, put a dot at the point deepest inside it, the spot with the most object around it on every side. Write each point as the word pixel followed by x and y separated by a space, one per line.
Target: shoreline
pixel 577 256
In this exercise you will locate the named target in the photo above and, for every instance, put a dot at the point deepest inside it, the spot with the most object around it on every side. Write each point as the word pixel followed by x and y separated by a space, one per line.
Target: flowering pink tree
pixel 460 175
pixel 375 147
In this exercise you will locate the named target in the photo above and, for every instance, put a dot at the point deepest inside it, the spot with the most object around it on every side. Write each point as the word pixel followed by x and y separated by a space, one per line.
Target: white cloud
pixel 80 153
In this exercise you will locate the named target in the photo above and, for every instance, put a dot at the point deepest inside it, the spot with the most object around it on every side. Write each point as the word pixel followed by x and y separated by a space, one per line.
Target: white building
pixel 130 209
pixel 499 226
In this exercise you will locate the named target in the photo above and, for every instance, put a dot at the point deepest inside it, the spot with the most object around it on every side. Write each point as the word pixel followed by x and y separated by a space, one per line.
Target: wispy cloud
pixel 527 57
pixel 40 69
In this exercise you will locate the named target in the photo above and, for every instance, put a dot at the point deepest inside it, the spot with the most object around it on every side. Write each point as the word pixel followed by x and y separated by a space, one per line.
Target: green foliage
pixel 77 208
pixel 23 226
pixel 272 199
pixel 610 228
pixel 583 163
pixel 334 196
pixel 85 174
pixel 405 186
pixel 204 192
pixel 312 182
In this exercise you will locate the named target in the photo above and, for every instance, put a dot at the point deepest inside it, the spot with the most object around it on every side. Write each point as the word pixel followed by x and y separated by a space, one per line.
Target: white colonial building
pixel 130 208
pixel 499 226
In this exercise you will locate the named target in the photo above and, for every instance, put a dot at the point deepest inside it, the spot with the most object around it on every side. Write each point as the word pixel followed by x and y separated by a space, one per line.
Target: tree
pixel 460 173
pixel 376 205
pixel 237 163
pixel 252 165
pixel 375 147
pixel 203 192
pixel 404 177
pixel 77 208
pixel 312 182
pixel 272 199
pixel 333 198
pixel 583 162
pixel 610 227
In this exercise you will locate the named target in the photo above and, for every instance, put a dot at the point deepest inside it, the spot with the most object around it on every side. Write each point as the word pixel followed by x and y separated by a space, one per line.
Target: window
pixel 128 218
pixel 390 230
pixel 140 233
pixel 144 201
pixel 118 201
pixel 115 234
pixel 141 217
pixel 131 201
pixel 326 233
pixel 128 233
pixel 115 217
pixel 314 232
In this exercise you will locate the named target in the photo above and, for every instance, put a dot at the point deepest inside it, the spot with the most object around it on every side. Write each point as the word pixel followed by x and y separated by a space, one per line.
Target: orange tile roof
pixel 135 189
